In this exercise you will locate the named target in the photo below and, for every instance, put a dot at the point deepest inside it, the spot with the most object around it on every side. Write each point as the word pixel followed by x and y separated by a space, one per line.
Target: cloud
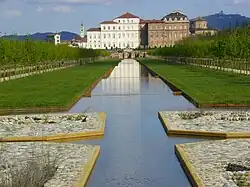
pixel 39 9
pixel 240 2
pixel 62 9
pixel 13 13
pixel 71 2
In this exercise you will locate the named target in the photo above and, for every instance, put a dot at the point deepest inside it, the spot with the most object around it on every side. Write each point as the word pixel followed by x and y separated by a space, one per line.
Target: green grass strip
pixel 52 89
pixel 206 86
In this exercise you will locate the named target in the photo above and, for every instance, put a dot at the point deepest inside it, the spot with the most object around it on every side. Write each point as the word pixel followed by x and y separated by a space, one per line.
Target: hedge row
pixel 226 45
pixel 27 52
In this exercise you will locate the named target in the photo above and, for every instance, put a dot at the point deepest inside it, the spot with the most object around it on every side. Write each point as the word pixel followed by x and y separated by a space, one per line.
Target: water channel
pixel 135 151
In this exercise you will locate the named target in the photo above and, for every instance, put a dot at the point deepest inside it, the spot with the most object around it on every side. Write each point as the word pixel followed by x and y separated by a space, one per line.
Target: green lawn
pixel 205 86
pixel 58 88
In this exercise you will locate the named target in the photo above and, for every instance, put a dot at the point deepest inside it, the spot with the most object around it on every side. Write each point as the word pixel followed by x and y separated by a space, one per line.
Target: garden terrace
pixel 204 87
pixel 46 164
pixel 52 89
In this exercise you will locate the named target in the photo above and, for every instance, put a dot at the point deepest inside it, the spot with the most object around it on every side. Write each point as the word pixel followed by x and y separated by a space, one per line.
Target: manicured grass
pixel 204 85
pixel 58 88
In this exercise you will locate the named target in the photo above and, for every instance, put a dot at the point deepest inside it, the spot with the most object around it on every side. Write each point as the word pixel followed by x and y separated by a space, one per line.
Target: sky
pixel 31 16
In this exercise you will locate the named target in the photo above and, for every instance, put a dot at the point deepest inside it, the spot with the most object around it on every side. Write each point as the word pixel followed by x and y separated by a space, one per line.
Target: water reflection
pixel 135 150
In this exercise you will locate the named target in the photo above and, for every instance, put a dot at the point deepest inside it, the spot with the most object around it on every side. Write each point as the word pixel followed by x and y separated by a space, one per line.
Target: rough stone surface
pixel 213 121
pixel 48 124
pixel 71 159
pixel 211 158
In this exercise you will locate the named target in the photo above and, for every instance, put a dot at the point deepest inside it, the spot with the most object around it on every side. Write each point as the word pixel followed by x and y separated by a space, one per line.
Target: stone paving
pixel 73 161
pixel 212 121
pixel 220 163
pixel 49 124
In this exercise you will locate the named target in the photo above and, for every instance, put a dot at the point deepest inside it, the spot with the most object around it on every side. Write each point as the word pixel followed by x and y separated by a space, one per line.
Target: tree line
pixel 226 44
pixel 28 52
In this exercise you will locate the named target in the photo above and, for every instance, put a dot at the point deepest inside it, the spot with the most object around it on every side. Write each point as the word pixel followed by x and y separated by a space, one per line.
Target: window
pixel 128 35
pixel 104 35
pixel 104 28
pixel 108 35
pixel 119 35
pixel 114 35
pixel 94 36
pixel 58 41
pixel 170 27
pixel 128 27
pixel 113 27
pixel 180 27
pixel 123 34
pixel 131 21
pixel 174 27
pixel 108 27
pixel 123 21
pixel 90 36
pixel 119 21
pixel 119 28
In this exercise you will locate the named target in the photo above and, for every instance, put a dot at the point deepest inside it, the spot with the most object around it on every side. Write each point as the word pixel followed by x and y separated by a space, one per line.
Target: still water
pixel 135 151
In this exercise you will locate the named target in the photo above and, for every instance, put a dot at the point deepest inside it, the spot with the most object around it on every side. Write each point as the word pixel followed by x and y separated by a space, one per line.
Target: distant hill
pixel 225 21
pixel 65 35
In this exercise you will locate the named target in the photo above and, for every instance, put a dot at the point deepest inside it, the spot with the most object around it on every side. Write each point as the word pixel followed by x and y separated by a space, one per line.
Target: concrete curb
pixel 193 133
pixel 87 170
pixel 64 136
pixel 188 168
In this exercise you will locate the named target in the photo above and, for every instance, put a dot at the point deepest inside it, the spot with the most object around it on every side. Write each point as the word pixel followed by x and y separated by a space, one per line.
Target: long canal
pixel 135 150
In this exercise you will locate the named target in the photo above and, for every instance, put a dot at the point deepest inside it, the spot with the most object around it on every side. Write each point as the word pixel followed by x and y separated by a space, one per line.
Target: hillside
pixel 65 35
pixel 225 21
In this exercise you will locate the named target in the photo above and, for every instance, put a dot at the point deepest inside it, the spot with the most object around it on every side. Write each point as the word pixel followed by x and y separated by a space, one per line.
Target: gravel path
pixel 213 121
pixel 49 124
pixel 72 160
pixel 210 160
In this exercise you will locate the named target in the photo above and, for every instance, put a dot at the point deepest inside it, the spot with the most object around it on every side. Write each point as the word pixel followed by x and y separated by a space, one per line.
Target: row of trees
pixel 226 44
pixel 27 52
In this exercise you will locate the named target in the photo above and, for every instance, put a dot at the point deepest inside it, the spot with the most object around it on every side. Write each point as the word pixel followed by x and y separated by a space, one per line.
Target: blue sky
pixel 22 16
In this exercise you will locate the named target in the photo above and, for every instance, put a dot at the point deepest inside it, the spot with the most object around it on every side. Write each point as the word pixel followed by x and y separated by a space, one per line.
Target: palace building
pixel 131 31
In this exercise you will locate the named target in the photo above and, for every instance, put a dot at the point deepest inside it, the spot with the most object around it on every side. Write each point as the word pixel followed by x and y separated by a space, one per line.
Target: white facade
pixel 57 38
pixel 94 39
pixel 122 32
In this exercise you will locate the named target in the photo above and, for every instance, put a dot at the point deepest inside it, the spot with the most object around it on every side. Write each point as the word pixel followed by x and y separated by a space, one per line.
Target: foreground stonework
pixel 206 163
pixel 51 126
pixel 226 124
pixel 74 162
